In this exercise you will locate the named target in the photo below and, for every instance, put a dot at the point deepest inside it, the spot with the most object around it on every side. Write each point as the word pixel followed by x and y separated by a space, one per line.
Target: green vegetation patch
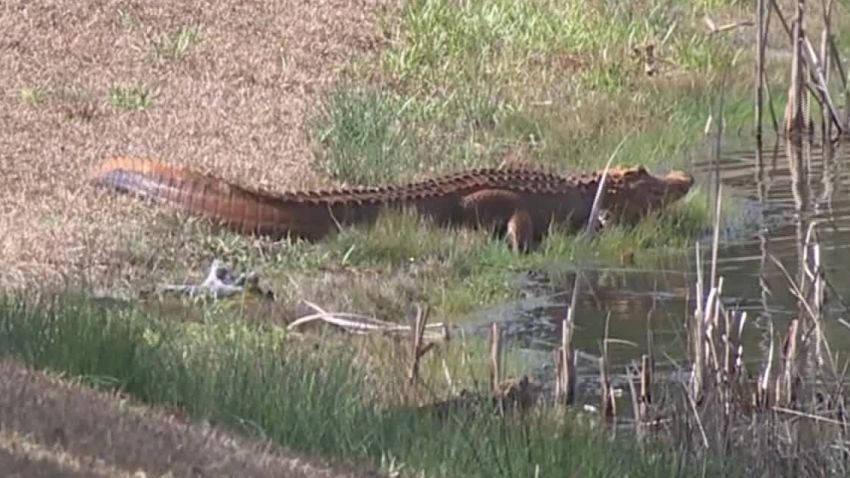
pixel 471 83
pixel 551 84
pixel 130 97
pixel 33 96
pixel 175 44
pixel 382 268
pixel 259 381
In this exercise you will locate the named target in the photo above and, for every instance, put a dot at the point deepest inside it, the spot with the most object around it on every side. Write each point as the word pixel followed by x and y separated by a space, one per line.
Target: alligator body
pixel 520 203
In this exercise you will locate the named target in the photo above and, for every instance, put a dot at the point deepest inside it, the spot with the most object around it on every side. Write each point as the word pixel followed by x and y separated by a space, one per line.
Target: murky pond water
pixel 772 196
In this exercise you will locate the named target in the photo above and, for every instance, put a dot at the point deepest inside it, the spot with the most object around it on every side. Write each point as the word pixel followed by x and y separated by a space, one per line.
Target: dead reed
pixel 779 410
pixel 809 75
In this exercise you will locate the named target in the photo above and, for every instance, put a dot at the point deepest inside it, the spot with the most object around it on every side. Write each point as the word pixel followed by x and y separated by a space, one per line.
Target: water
pixel 772 197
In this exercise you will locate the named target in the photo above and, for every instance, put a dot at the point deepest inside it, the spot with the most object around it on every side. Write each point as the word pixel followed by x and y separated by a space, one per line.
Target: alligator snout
pixel 679 182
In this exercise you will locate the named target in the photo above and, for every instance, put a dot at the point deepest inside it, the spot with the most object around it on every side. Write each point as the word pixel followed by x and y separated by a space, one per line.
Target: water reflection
pixel 772 196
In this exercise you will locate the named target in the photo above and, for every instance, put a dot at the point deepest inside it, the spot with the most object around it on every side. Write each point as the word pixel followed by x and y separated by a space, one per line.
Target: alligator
pixel 517 202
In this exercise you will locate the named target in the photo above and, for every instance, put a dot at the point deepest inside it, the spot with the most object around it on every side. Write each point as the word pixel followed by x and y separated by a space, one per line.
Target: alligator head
pixel 632 193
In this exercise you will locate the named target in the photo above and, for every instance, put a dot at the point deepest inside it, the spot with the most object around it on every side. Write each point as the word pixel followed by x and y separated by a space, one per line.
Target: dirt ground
pixel 50 427
pixel 232 99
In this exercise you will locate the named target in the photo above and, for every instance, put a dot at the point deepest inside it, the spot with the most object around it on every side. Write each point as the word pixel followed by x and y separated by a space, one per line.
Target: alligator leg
pixel 520 230
pixel 500 210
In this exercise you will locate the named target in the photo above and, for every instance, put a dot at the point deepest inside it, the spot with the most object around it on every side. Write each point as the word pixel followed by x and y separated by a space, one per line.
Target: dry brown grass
pixel 69 430
pixel 20 463
pixel 234 102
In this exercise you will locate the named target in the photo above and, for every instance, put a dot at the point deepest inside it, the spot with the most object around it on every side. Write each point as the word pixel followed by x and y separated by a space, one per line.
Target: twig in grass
pixel 810 416
pixel 631 376
pixel 645 384
pixel 592 221
pixel 496 363
pixel 565 363
pixel 219 283
pixel 794 288
pixel 449 381
pixel 821 85
pixel 608 405
pixel 759 66
pixel 693 405
pixel 698 333
pixel 836 60
pixel 362 324
pixel 714 29
pixel 787 387
pixel 417 351
pixel 715 239
pixel 763 389
pixel 773 118
pixel 804 54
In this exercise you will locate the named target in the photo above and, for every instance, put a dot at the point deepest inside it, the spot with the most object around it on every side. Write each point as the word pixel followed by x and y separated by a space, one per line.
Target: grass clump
pixel 258 380
pixel 130 97
pixel 175 44
pixel 368 135
pixel 363 136
pixel 33 96
pixel 126 19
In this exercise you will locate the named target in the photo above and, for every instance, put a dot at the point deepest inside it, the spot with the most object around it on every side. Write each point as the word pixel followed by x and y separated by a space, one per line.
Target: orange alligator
pixel 520 203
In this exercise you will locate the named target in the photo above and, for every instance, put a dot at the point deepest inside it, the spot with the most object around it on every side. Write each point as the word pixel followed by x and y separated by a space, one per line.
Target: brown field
pixel 51 427
pixel 229 95
pixel 230 86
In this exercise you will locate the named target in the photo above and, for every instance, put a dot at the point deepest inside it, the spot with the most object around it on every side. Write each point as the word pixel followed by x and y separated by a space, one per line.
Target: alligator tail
pixel 232 206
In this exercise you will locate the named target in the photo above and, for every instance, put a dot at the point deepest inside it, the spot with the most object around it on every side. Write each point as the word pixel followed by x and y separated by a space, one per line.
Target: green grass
pixel 370 136
pixel 364 137
pixel 33 96
pixel 444 41
pixel 258 381
pixel 175 44
pixel 470 84
pixel 130 97
pixel 401 259
pixel 467 84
